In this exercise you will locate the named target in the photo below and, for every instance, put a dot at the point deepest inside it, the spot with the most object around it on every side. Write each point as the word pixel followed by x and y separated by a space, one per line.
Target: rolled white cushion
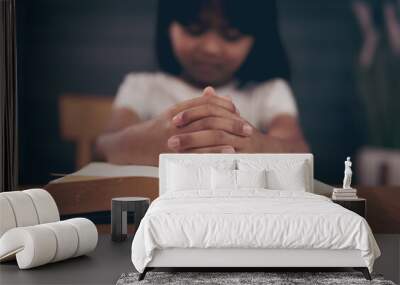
pixel 33 246
pixel 23 208
pixel 40 244
pixel 45 205
pixel 67 240
pixel 7 218
pixel 87 235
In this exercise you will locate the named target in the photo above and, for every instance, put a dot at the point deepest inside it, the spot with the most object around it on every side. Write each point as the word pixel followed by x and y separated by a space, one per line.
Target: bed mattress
pixel 252 219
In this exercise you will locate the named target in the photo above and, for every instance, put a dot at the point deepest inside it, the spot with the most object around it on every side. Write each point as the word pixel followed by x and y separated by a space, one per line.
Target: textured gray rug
pixel 225 278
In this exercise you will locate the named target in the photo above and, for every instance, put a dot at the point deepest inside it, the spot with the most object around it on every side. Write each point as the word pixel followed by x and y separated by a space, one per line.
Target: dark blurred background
pixel 88 46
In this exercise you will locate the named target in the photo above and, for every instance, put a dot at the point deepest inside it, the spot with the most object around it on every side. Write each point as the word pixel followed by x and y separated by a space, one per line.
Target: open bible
pixel 91 189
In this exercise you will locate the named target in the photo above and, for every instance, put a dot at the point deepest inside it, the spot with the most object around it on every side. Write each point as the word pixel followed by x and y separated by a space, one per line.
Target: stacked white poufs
pixel 31 230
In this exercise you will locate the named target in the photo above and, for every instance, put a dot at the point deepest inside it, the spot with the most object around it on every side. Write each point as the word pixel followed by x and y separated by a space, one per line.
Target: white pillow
pixel 236 179
pixel 290 179
pixel 289 175
pixel 182 177
pixel 193 174
pixel 251 178
pixel 223 179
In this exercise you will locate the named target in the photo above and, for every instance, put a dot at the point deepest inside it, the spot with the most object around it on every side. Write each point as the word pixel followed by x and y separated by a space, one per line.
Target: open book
pixel 98 170
pixel 91 188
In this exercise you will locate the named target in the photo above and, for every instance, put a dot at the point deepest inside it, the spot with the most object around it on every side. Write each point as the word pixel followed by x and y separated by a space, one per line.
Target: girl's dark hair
pixel 267 58
pixel 377 7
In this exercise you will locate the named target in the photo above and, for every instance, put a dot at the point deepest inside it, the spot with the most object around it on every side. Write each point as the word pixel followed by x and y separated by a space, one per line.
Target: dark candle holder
pixel 119 215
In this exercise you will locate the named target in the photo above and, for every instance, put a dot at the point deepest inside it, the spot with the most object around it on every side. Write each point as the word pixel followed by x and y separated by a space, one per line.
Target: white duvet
pixel 250 218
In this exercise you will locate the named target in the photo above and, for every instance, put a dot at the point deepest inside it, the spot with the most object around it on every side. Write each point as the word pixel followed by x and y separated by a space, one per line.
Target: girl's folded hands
pixel 211 124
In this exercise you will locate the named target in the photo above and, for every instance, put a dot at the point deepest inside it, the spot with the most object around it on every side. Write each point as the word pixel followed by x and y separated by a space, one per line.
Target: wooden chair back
pixel 82 119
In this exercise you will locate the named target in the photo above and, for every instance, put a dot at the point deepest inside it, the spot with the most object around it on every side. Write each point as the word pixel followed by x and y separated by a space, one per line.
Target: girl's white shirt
pixel 149 94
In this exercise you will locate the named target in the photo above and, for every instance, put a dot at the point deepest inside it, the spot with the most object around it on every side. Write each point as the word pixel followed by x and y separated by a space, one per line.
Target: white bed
pixel 249 227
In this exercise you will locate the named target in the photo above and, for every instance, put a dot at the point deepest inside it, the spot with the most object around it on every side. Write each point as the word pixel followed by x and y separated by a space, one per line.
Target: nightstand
pixel 358 206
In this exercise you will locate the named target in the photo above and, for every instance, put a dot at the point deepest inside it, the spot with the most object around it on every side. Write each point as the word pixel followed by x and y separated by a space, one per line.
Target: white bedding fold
pixel 250 218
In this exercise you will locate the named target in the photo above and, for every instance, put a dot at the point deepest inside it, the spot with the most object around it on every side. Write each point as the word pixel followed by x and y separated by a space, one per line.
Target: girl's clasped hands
pixel 210 123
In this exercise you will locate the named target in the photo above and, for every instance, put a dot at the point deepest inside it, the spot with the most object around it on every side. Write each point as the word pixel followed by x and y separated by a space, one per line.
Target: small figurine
pixel 346 192
pixel 347 174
